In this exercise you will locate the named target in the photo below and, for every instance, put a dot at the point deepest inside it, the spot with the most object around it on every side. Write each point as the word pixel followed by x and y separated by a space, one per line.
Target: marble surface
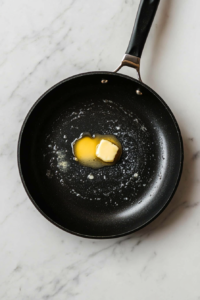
pixel 43 42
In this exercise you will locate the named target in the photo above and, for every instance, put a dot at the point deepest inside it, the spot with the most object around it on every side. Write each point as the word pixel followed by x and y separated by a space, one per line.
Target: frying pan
pixel 119 199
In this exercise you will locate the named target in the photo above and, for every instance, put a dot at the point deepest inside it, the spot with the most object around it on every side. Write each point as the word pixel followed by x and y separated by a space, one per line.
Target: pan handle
pixel 145 15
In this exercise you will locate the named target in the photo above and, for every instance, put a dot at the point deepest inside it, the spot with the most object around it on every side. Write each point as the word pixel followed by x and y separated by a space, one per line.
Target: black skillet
pixel 121 198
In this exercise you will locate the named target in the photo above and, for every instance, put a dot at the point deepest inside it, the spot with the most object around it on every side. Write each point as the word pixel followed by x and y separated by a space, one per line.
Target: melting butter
pixel 85 147
pixel 106 151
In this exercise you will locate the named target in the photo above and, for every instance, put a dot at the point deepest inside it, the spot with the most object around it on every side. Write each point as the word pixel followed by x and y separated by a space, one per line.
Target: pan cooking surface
pixel 112 200
pixel 126 178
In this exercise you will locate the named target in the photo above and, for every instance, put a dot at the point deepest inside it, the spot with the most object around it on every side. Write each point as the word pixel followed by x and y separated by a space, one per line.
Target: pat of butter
pixel 106 151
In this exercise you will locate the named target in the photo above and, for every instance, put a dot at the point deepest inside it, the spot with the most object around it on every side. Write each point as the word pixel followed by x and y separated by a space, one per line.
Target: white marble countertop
pixel 43 42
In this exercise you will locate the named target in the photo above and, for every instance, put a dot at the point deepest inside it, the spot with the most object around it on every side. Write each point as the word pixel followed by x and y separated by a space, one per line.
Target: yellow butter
pixel 106 151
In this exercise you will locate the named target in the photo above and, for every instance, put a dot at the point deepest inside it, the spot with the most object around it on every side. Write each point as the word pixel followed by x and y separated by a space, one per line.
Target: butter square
pixel 106 151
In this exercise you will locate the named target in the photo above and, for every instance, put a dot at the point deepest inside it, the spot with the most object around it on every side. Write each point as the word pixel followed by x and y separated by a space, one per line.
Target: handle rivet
pixel 138 92
pixel 104 81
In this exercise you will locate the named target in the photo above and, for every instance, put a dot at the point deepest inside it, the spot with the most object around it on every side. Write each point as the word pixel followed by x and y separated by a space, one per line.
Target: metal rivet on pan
pixel 104 81
pixel 138 92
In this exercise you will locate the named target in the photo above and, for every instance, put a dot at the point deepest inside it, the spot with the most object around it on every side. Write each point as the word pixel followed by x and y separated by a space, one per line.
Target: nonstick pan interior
pixel 121 198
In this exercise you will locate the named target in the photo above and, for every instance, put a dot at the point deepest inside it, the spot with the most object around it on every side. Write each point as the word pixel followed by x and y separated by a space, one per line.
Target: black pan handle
pixel 145 15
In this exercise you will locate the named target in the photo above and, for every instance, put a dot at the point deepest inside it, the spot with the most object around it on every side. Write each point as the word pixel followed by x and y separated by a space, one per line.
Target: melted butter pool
pixel 84 150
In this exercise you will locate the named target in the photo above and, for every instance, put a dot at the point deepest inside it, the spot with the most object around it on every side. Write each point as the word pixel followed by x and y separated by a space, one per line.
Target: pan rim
pixel 175 183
